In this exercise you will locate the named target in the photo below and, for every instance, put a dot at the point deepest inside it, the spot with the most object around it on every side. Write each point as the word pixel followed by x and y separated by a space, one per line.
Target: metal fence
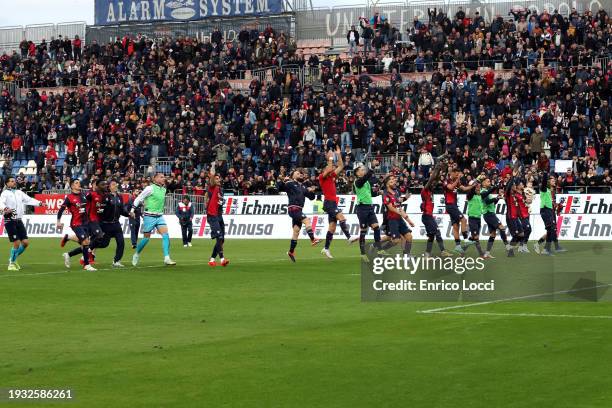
pixel 10 37
pixel 334 23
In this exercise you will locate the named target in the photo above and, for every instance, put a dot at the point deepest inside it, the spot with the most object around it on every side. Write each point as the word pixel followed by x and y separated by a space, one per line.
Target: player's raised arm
pixel 340 166
pixel 212 174
pixel 433 176
pixel 27 200
pixel 330 165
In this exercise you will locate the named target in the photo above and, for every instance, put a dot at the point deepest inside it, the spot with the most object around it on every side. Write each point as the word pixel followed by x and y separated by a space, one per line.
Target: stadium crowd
pixel 139 99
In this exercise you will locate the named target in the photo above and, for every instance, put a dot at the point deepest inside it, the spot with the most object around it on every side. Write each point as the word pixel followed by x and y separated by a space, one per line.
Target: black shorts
pixel 398 228
pixel 525 224
pixel 548 216
pixel 15 230
pixel 297 217
pixel 474 225
pixel 431 226
pixel 454 213
pixel 492 221
pixel 366 215
pixel 95 231
pixel 515 226
pixel 331 209
pixel 81 232
pixel 111 229
pixel 217 226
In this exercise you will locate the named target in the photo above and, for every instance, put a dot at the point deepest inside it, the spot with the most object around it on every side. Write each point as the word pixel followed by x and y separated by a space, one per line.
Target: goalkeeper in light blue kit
pixel 154 197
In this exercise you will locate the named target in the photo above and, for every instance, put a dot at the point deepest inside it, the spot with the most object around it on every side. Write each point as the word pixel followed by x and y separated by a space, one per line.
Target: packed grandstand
pixel 527 88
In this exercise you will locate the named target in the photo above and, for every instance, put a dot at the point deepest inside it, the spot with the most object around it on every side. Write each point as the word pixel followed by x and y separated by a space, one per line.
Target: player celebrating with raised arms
pixel 214 208
pixel 451 185
pixel 523 217
pixel 427 218
pixel 547 212
pixel 474 213
pixel 490 218
pixel 153 196
pixel 13 202
pixel 396 215
pixel 76 204
pixel 327 180
pixel 363 187
pixel 513 213
pixel 297 193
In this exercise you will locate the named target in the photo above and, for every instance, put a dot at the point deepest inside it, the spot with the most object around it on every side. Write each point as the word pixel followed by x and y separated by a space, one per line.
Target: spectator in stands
pixel 352 38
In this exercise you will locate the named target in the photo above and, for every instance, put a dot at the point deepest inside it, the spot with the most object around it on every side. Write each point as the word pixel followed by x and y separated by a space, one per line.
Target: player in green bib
pixel 154 198
pixel 365 210
pixel 475 211
pixel 489 200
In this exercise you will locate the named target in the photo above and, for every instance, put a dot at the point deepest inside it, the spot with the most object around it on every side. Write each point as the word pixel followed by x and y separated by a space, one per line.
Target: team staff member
pixel 135 222
pixel 185 212
pixel 112 209
pixel 13 203
pixel 214 209
pixel 76 204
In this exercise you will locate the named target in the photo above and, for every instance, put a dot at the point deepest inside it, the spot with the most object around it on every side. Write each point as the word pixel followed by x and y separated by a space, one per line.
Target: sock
pixel 387 245
pixel 457 242
pixel 20 250
pixel 293 245
pixel 345 229
pixel 541 241
pixel 547 246
pixel 479 248
pixel 407 247
pixel 215 251
pixel 429 246
pixel 490 243
pixel 362 235
pixel 85 252
pixel 556 242
pixel 328 239
pixel 13 254
pixel 220 250
pixel 504 237
pixel 141 244
pixel 377 237
pixel 464 234
pixel 440 242
pixel 166 244
pixel 76 251
pixel 310 234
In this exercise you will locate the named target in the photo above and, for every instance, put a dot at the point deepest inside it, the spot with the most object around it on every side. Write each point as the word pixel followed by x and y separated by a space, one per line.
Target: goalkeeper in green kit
pixel 154 197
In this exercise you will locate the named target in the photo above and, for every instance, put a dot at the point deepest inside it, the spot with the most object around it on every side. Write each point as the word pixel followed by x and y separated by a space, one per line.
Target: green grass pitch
pixel 264 332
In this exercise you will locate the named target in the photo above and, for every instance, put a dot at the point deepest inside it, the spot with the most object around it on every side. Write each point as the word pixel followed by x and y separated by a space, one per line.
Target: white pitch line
pixel 445 310
pixel 521 315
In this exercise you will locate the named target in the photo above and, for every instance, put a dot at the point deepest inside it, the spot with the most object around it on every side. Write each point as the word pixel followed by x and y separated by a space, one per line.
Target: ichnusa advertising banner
pixel 112 12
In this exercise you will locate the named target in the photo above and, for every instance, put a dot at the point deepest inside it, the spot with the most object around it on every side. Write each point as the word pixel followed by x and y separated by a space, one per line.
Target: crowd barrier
pixel 582 217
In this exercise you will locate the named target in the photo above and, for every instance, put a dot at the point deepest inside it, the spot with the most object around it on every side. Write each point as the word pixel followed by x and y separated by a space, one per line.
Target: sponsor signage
pixel 110 12
pixel 583 216
pixel 569 226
